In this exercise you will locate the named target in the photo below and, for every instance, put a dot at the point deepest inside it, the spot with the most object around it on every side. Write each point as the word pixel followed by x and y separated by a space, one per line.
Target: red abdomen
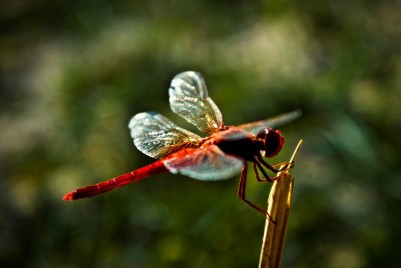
pixel 102 187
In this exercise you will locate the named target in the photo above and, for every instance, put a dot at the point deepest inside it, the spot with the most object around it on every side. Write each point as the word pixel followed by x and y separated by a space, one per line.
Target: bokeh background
pixel 72 73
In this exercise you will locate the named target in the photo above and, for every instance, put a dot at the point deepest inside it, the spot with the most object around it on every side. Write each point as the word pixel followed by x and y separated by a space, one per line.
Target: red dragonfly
pixel 221 155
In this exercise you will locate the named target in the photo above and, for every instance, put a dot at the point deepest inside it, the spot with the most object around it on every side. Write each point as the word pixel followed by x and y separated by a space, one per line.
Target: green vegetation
pixel 72 73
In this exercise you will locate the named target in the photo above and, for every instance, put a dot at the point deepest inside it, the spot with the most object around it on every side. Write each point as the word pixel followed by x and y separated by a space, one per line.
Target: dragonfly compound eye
pixel 272 141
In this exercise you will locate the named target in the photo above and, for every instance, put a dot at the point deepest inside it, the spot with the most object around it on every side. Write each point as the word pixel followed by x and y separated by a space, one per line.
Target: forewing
pixel 156 136
pixel 271 122
pixel 207 163
pixel 189 99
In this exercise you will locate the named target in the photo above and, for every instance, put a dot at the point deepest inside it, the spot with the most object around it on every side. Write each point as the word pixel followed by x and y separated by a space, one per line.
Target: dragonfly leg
pixel 282 166
pixel 258 165
pixel 264 173
pixel 241 192
pixel 264 163
pixel 258 178
pixel 265 177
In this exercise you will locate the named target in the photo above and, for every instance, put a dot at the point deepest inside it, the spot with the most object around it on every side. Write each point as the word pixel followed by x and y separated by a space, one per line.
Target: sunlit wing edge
pixel 272 122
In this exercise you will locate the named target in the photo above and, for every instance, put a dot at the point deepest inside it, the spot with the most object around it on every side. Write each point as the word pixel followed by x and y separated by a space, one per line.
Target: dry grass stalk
pixel 279 203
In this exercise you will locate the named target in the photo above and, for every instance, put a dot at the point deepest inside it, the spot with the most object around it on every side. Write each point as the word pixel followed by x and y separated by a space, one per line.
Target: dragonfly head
pixel 271 140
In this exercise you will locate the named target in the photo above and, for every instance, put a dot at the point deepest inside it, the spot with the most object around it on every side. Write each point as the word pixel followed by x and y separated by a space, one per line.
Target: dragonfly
pixel 221 155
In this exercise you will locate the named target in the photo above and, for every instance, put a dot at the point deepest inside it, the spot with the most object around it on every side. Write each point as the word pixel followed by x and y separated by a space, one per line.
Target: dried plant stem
pixel 279 203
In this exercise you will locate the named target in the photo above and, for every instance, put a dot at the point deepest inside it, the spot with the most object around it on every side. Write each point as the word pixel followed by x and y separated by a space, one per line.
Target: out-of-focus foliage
pixel 72 73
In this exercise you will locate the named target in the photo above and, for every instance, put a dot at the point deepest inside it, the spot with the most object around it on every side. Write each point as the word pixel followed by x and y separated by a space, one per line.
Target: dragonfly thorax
pixel 271 141
pixel 238 142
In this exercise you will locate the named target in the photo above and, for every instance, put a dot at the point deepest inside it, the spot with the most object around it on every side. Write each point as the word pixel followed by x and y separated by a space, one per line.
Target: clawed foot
pixel 283 166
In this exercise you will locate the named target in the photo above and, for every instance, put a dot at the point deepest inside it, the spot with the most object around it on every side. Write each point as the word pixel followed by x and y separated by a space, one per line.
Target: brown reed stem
pixel 279 203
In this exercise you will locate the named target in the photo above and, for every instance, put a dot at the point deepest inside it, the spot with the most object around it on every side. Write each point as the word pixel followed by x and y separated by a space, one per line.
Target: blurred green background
pixel 72 73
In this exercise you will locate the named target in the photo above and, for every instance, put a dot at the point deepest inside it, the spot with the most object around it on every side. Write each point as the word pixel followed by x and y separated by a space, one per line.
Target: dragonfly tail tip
pixel 69 196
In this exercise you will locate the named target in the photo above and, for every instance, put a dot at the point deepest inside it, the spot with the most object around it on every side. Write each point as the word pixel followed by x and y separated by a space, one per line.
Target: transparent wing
pixel 271 122
pixel 207 163
pixel 189 99
pixel 156 136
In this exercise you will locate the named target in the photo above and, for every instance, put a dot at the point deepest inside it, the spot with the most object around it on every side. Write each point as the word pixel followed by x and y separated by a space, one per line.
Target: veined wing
pixel 156 136
pixel 189 99
pixel 271 122
pixel 207 163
